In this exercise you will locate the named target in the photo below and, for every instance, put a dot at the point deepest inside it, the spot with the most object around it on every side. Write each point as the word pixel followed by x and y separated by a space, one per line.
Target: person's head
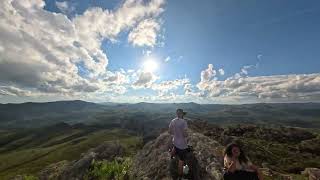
pixel 234 150
pixel 180 113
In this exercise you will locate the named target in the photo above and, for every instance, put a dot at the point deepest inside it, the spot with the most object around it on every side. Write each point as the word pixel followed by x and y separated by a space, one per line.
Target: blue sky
pixel 268 50
pixel 227 34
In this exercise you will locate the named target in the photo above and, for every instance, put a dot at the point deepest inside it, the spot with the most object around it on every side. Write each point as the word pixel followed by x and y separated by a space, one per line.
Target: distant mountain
pixel 148 116
pixel 32 114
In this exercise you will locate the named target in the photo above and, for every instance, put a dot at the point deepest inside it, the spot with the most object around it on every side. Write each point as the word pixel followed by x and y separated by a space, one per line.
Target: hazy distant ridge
pixel 41 114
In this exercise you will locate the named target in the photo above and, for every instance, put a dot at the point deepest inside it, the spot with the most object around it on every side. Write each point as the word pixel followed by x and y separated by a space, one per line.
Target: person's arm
pixel 171 128
pixel 255 168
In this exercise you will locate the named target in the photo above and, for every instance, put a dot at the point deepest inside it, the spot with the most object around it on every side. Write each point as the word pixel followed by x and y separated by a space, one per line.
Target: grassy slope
pixel 32 159
pixel 280 155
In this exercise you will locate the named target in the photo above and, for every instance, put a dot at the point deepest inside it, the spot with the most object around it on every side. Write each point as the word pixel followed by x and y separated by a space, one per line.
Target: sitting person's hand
pixel 230 164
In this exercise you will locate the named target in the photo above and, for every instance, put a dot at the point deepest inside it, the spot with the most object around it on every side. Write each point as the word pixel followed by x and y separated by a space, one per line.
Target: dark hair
pixel 181 110
pixel 228 151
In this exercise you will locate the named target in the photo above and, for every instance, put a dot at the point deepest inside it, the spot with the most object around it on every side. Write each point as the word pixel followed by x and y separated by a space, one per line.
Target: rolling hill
pixel 31 115
pixel 29 151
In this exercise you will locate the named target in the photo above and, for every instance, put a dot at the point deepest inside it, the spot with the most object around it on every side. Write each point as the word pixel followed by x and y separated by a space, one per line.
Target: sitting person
pixel 238 166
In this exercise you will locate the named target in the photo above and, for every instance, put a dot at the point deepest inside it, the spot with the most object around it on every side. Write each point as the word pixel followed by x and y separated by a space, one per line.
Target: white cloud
pixel 65 7
pixel 166 86
pixel 14 91
pixel 190 91
pixel 221 72
pixel 207 74
pixel 43 52
pixel 244 70
pixel 167 59
pixel 145 34
pixel 271 88
pixel 144 80
pixel 117 78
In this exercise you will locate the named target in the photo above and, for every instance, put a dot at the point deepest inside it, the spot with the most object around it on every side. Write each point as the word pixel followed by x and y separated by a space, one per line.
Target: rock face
pixel 153 161
pixel 312 173
pixel 75 170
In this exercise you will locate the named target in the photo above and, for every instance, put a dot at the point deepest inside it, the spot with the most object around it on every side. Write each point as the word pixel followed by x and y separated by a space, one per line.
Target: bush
pixel 30 177
pixel 116 169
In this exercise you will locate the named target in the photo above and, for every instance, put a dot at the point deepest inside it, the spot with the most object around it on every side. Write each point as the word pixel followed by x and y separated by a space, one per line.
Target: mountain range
pixel 31 115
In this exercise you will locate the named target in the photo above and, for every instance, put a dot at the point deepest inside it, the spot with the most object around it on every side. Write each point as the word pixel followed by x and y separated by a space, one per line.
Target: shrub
pixel 30 177
pixel 116 169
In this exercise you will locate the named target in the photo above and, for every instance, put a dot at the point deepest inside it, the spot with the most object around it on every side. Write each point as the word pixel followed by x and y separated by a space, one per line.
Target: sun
pixel 150 65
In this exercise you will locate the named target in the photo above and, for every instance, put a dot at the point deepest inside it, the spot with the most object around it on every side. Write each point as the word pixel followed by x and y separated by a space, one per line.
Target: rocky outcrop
pixel 312 146
pixel 153 161
pixel 74 170
pixel 312 173
pixel 280 134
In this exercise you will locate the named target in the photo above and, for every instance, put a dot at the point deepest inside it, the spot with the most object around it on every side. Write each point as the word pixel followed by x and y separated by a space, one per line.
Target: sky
pixel 128 51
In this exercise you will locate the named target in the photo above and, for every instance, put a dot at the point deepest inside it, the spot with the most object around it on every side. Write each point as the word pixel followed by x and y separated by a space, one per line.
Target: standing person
pixel 178 129
pixel 238 166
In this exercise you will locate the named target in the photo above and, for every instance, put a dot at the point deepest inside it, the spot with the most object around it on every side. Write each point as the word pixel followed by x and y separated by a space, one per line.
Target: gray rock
pixel 154 162
pixel 312 173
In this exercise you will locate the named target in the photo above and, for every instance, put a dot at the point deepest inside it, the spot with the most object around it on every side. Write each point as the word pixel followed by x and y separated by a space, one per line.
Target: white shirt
pixel 177 128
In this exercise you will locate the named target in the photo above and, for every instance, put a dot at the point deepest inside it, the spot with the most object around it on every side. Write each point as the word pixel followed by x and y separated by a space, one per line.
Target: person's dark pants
pixel 240 175
pixel 181 153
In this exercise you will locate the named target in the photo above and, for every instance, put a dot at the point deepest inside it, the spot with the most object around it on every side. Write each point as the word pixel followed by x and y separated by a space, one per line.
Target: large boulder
pixel 154 162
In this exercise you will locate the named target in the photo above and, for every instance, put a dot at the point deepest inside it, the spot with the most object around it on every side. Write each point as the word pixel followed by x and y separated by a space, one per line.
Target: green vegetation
pixel 116 169
pixel 31 157
pixel 280 157
pixel 35 145
pixel 285 150
pixel 283 157
pixel 30 177
pixel 277 177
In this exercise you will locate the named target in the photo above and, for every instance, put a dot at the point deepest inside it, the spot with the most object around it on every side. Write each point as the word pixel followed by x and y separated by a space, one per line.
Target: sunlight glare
pixel 150 65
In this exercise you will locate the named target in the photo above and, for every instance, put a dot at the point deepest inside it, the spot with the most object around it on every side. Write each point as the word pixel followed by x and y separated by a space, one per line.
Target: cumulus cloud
pixel 14 91
pixel 117 77
pixel 293 87
pixel 145 34
pixel 190 91
pixel 48 54
pixel 166 86
pixel 145 79
pixel 45 52
pixel 221 72
pixel 208 73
